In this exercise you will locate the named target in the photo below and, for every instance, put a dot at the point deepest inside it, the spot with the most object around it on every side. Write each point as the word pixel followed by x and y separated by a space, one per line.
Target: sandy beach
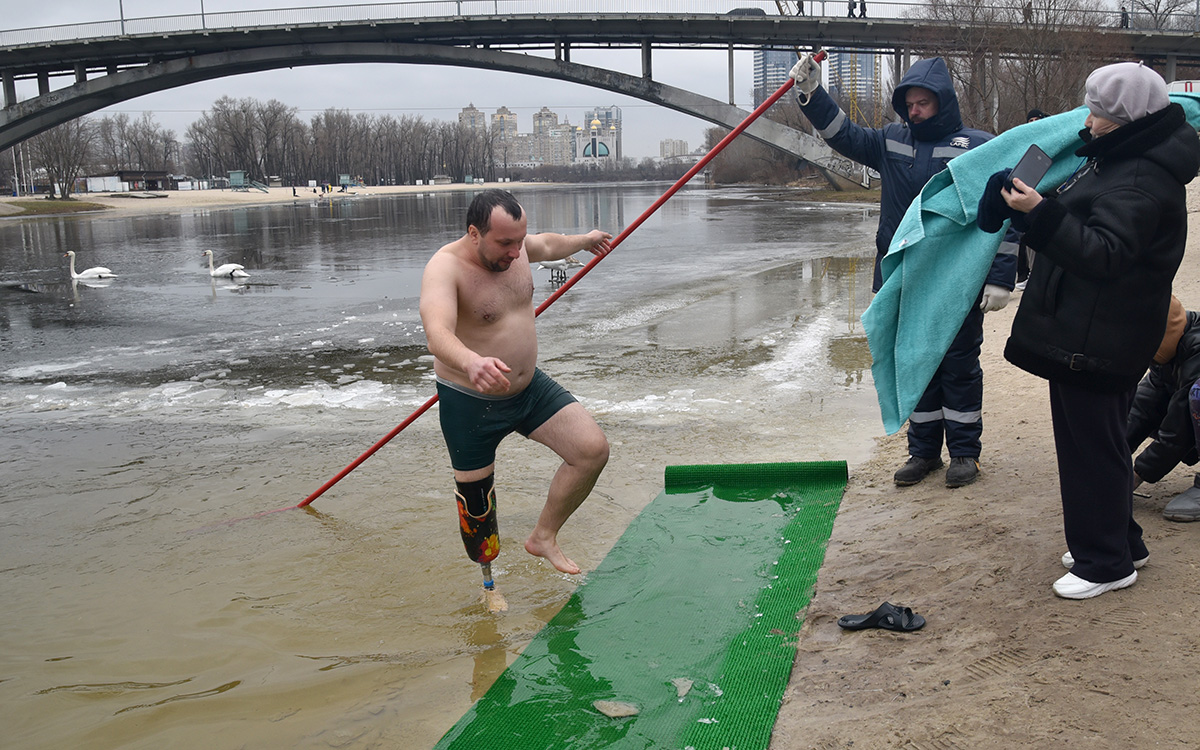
pixel 125 204
pixel 1002 662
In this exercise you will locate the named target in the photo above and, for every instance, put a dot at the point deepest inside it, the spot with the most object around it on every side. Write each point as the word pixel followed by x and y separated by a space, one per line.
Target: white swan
pixel 232 270
pixel 558 268
pixel 560 265
pixel 95 272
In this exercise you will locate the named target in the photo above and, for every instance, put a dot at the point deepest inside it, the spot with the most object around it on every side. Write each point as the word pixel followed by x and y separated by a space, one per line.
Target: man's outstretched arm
pixel 551 246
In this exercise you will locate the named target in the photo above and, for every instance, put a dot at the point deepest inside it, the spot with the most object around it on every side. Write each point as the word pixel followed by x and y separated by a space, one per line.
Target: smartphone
pixel 1031 169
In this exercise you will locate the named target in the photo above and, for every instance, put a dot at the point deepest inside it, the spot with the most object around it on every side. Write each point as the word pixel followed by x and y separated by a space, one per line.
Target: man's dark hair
pixel 479 213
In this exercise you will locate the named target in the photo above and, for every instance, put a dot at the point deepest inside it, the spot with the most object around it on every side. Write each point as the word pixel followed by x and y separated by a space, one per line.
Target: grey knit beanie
pixel 1124 92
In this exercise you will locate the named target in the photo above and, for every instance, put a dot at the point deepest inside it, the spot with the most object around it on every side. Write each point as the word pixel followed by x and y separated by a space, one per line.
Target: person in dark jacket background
pixel 906 155
pixel 1109 242
pixel 1162 411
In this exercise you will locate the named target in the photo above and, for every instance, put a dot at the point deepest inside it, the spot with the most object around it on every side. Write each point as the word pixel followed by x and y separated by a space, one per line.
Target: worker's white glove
pixel 994 298
pixel 807 75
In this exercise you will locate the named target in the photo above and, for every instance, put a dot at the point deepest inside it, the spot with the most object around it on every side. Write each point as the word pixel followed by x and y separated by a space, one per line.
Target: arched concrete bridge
pixel 55 107
pixel 142 56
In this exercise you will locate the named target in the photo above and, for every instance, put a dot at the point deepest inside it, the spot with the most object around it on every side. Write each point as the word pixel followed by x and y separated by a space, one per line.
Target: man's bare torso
pixel 495 315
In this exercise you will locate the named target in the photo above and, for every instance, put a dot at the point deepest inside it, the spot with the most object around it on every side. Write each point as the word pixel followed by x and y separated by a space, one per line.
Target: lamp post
pixel 121 6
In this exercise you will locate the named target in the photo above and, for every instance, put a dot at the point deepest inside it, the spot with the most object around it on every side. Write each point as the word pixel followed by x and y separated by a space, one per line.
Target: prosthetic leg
pixel 481 532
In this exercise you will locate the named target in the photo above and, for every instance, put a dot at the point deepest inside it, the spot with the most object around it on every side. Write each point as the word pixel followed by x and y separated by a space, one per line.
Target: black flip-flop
pixel 888 616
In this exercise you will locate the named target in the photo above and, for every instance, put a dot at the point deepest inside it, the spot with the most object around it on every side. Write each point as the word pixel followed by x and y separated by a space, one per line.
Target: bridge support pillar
pixel 43 79
pixel 732 98
pixel 900 65
pixel 647 72
pixel 80 73
pixel 10 89
pixel 1169 72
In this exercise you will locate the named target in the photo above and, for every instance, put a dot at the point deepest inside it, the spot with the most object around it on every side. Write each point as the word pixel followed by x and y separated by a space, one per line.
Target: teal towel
pixel 939 259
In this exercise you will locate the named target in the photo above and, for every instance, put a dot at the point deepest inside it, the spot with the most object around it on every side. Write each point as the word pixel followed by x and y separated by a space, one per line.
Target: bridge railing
pixel 442 9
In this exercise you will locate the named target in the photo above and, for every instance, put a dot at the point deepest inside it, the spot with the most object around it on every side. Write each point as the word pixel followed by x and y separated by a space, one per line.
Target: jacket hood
pixel 930 74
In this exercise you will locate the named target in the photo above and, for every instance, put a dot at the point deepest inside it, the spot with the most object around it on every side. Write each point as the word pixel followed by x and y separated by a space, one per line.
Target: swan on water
pixel 232 270
pixel 95 272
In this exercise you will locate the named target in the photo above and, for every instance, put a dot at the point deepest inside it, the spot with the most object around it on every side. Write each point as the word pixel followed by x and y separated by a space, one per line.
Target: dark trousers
pixel 1095 477
pixel 952 404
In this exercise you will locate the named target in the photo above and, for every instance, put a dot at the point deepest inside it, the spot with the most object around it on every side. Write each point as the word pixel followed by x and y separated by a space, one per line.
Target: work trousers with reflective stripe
pixel 1095 478
pixel 952 405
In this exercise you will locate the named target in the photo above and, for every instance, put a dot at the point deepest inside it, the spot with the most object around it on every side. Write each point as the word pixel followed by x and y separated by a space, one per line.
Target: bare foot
pixel 549 550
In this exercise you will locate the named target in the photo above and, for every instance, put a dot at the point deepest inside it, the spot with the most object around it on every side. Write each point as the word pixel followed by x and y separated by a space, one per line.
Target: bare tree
pixel 1058 45
pixel 64 151
pixel 1162 14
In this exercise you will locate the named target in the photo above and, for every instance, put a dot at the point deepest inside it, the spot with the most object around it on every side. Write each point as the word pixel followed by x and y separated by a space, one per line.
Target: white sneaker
pixel 1020 286
pixel 1069 562
pixel 1072 586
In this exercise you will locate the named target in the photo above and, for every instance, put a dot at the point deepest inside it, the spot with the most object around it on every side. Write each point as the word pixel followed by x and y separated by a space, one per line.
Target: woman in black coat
pixel 1109 242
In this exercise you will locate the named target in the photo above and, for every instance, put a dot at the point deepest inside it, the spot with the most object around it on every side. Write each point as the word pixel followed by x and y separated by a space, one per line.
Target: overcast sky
pixel 434 92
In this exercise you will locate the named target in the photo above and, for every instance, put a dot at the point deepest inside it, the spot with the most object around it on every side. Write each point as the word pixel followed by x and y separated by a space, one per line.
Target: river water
pixel 139 420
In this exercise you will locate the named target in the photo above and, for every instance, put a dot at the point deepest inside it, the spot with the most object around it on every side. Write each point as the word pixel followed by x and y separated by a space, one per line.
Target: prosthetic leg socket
pixel 477 520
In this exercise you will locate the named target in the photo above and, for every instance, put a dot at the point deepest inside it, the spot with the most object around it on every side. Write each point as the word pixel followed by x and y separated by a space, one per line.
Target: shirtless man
pixel 477 308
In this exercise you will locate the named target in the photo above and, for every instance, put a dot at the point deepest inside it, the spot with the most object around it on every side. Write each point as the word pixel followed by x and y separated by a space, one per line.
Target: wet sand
pixel 1002 662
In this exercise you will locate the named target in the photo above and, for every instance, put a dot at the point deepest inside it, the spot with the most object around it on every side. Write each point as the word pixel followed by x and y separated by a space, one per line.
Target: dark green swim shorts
pixel 474 423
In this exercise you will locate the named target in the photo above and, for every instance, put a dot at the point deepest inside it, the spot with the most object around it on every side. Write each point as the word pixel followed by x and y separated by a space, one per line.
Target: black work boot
pixel 963 471
pixel 916 469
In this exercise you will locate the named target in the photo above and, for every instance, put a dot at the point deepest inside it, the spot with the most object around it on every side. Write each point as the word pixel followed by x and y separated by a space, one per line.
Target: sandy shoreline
pixel 181 200
pixel 1002 662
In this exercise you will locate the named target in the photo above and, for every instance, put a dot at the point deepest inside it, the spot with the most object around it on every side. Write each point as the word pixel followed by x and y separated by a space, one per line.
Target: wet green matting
pixel 707 584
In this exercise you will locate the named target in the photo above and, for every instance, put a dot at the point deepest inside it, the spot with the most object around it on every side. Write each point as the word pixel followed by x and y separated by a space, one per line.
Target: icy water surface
pixel 139 418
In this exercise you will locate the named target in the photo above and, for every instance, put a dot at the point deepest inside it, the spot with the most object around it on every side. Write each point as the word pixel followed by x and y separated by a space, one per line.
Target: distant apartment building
pixel 473 119
pixel 771 68
pixel 560 144
pixel 852 75
pixel 671 148
pixel 504 124
pixel 552 140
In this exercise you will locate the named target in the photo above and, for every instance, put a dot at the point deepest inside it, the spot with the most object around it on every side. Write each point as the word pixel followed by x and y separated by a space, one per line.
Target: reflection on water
pixel 135 414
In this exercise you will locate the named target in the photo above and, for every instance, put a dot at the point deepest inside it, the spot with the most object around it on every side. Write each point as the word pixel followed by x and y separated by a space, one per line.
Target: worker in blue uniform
pixel 906 154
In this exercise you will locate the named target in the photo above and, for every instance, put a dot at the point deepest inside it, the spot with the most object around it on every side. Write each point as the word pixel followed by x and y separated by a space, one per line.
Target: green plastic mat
pixel 691 618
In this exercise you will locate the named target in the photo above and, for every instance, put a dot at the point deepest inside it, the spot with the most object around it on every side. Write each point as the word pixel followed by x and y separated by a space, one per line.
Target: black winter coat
pixel 1160 409
pixel 1095 306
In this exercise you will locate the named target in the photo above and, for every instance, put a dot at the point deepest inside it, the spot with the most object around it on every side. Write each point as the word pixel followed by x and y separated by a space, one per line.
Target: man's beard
pixel 495 266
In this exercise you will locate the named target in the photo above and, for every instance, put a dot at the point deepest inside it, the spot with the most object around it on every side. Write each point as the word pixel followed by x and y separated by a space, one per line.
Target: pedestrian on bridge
pixel 862 8
pixel 850 8
pixel 906 155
